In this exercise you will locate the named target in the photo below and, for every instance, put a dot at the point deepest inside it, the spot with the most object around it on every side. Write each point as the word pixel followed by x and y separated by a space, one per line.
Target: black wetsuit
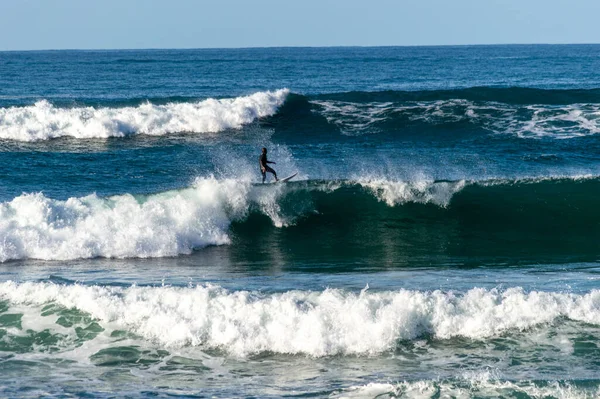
pixel 264 168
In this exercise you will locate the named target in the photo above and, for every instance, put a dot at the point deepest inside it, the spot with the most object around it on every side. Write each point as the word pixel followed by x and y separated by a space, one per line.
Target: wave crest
pixel 324 323
pixel 422 192
pixel 44 121
pixel 167 224
pixel 369 211
pixel 468 387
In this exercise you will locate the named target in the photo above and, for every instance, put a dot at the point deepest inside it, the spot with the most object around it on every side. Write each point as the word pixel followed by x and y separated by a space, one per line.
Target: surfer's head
pixel 264 150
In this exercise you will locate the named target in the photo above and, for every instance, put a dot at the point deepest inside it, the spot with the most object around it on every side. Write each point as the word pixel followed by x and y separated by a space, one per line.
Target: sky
pixel 129 24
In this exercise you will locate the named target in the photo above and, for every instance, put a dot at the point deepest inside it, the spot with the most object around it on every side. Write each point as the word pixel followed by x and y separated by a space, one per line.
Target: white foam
pixel 166 224
pixel 354 118
pixel 323 323
pixel 421 191
pixel 533 121
pixel 466 388
pixel 44 121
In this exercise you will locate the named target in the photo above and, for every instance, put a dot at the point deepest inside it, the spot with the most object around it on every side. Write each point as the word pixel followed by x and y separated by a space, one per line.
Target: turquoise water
pixel 440 240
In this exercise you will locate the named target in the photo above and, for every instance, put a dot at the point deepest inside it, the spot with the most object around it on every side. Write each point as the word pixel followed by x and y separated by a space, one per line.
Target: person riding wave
pixel 264 168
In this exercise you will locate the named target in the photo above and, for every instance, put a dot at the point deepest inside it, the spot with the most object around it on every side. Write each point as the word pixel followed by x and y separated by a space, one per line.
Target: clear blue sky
pixel 109 24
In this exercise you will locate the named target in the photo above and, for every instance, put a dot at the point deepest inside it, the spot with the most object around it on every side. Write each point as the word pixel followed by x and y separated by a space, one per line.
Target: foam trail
pixel 524 121
pixel 317 323
pixel 43 121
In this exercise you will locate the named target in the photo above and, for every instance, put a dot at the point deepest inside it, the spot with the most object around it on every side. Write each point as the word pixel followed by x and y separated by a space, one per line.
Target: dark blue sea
pixel 441 238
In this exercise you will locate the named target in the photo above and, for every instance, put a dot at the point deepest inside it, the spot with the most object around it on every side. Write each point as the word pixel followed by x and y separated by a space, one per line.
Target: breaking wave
pixel 44 121
pixel 520 112
pixel 478 386
pixel 368 212
pixel 165 224
pixel 317 323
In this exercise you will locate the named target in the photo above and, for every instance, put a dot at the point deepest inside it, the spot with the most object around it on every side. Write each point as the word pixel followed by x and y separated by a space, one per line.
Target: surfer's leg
pixel 264 175
pixel 270 169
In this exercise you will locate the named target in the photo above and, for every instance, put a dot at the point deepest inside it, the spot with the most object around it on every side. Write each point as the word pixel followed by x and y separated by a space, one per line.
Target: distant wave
pixel 44 121
pixel 531 121
pixel 507 95
pixel 519 112
pixel 316 323
pixel 498 213
pixel 524 113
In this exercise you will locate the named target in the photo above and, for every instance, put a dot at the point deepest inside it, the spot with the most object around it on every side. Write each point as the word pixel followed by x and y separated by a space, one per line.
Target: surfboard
pixel 287 178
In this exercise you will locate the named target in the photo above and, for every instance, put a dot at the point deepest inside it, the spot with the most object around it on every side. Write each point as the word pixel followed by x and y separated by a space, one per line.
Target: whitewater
pixel 326 323
pixel 44 121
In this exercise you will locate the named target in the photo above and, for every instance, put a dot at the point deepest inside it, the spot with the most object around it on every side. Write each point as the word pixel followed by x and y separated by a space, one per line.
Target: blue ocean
pixel 440 240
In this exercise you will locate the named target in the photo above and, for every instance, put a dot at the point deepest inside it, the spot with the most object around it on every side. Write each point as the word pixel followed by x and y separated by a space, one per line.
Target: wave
pixel 166 224
pixel 549 214
pixel 44 121
pixel 532 121
pixel 519 112
pixel 478 386
pixel 316 323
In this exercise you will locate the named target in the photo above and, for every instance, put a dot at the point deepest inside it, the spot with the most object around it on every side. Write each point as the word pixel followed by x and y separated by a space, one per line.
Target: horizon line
pixel 300 47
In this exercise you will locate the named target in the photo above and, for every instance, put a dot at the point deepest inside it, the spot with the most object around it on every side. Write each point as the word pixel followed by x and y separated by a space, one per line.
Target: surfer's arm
pixel 270 162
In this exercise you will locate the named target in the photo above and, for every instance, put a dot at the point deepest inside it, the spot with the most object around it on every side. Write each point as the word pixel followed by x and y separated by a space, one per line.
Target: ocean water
pixel 441 239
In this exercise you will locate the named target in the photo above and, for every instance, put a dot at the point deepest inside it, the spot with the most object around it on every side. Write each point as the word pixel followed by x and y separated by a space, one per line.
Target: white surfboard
pixel 287 178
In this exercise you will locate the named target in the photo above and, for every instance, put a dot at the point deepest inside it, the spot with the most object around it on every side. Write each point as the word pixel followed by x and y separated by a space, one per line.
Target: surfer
pixel 264 168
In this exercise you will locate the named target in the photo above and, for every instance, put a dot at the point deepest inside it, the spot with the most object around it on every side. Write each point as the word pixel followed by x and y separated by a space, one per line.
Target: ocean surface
pixel 441 239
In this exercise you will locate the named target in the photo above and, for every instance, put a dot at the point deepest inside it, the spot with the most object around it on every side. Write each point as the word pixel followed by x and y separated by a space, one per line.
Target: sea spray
pixel 423 192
